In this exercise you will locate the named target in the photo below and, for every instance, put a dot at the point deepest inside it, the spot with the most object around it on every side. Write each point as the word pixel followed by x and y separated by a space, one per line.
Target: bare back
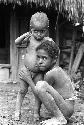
pixel 60 81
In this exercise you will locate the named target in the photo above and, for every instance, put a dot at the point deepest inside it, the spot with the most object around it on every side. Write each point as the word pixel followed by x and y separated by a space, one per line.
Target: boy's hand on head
pixel 26 34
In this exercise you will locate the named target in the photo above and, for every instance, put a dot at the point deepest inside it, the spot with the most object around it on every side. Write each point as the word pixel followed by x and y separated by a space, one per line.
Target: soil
pixel 8 93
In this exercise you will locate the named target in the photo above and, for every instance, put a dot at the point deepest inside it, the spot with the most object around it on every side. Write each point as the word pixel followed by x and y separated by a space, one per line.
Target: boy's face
pixel 39 34
pixel 44 61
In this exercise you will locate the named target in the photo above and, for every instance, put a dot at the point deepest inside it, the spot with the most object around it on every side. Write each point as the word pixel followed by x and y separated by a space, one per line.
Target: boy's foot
pixel 62 120
pixel 17 116
pixel 54 121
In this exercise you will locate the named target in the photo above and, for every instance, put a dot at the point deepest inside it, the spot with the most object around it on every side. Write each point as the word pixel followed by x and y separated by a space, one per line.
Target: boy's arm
pixel 25 75
pixel 22 38
pixel 37 108
pixel 49 78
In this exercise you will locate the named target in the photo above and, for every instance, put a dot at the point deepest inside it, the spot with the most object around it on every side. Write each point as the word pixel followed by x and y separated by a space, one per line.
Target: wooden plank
pixel 13 49
pixel 8 66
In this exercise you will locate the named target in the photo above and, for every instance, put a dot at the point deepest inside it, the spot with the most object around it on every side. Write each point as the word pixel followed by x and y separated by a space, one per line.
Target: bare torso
pixel 30 56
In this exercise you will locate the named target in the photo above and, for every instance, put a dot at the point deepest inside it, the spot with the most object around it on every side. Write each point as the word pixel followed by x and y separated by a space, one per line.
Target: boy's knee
pixel 41 85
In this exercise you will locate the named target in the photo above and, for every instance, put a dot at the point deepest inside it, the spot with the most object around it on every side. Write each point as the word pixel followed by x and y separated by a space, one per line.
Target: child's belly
pixel 30 61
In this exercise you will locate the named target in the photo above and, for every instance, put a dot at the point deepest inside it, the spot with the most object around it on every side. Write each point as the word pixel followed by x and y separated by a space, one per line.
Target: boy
pixel 55 91
pixel 39 24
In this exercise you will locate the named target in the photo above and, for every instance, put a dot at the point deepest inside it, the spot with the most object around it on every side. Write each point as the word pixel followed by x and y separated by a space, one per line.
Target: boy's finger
pixel 43 123
pixel 20 75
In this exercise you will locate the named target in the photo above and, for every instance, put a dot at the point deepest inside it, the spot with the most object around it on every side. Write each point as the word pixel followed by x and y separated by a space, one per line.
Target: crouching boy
pixel 56 91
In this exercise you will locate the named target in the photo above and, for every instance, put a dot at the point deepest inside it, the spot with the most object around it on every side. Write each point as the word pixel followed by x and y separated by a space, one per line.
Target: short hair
pixel 50 47
pixel 39 21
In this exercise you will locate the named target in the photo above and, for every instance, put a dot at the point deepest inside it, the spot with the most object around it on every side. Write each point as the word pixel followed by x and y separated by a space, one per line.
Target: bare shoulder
pixel 48 38
pixel 58 70
pixel 52 73
pixel 55 70
pixel 58 74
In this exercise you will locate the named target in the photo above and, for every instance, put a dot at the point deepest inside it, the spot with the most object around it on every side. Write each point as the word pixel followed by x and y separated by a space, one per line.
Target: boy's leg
pixel 20 97
pixel 66 106
pixel 37 108
pixel 47 99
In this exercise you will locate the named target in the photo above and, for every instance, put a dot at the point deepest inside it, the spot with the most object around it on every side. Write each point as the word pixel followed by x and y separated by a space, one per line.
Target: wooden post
pixel 72 50
pixel 13 49
pixel 78 59
pixel 57 42
pixel 57 35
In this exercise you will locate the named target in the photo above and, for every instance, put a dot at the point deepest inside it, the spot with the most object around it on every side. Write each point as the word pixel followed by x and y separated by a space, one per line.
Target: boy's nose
pixel 40 61
pixel 39 33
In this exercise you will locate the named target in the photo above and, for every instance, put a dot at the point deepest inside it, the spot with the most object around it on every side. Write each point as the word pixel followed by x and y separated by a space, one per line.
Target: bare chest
pixel 32 45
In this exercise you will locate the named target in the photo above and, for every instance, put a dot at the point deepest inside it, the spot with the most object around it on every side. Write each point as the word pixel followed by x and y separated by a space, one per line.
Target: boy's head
pixel 39 21
pixel 39 24
pixel 47 53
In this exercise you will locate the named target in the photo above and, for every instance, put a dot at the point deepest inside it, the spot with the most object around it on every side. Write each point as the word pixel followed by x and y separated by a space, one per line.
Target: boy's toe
pixel 17 116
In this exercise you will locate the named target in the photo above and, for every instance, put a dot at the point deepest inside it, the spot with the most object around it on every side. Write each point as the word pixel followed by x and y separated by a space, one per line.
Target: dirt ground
pixel 8 92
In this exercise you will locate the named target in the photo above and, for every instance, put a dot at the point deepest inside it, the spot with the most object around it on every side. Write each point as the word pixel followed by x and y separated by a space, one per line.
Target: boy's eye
pixel 38 57
pixel 41 31
pixel 35 31
pixel 44 58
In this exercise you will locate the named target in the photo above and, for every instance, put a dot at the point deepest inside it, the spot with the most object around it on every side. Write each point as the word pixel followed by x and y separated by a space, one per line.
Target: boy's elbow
pixel 70 112
pixel 16 42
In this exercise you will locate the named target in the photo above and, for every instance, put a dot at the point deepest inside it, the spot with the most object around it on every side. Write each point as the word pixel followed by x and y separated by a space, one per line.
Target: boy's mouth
pixel 39 38
pixel 41 67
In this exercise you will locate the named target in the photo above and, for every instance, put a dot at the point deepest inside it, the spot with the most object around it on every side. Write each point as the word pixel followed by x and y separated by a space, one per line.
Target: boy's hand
pixel 26 34
pixel 24 74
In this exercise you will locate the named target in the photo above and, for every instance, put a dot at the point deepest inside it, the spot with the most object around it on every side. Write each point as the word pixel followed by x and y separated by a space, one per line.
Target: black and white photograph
pixel 41 62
